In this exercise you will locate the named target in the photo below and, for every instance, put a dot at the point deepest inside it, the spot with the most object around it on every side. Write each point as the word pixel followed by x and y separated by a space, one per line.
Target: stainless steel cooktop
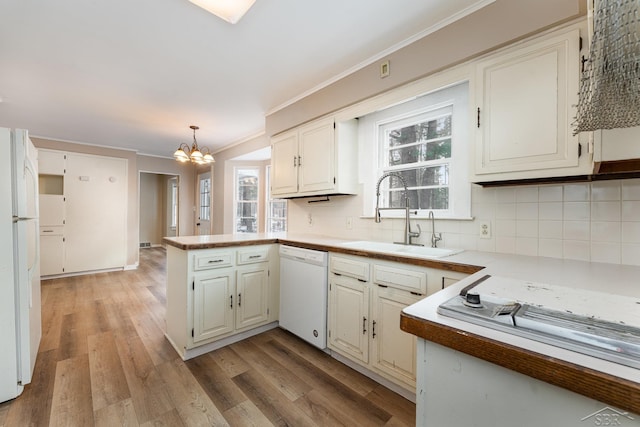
pixel 612 341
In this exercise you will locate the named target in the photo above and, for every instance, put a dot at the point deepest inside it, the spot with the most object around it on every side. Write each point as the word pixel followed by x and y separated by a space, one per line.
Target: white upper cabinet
pixel 525 104
pixel 318 158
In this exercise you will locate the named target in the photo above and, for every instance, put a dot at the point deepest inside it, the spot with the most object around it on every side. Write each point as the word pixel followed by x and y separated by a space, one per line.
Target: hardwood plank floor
pixel 104 361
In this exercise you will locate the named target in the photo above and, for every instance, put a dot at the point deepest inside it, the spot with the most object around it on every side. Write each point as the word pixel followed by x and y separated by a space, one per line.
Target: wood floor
pixel 104 361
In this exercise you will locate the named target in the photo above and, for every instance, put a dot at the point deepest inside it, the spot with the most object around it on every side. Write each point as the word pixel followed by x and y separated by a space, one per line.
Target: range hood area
pixel 601 325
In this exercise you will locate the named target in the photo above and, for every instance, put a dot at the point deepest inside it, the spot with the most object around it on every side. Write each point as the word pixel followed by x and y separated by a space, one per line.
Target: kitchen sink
pixel 396 248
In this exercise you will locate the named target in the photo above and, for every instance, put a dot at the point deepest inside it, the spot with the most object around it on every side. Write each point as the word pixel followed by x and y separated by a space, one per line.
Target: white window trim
pixel 269 200
pixel 370 163
pixel 235 197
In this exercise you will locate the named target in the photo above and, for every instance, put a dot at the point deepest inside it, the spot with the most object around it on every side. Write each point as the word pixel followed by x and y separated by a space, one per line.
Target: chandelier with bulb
pixel 193 154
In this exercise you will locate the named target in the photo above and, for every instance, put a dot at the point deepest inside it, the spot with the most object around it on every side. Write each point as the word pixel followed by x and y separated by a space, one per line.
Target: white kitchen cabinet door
pixel 51 251
pixel 51 210
pixel 526 97
pixel 213 295
pixel 316 164
pixel 284 163
pixel 393 351
pixel 95 188
pixel 51 162
pixel 252 295
pixel 349 317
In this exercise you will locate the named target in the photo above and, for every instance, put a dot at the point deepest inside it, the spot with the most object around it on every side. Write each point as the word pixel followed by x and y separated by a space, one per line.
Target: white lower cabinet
pixel 393 351
pixel 213 304
pixel 213 294
pixel 252 288
pixel 365 301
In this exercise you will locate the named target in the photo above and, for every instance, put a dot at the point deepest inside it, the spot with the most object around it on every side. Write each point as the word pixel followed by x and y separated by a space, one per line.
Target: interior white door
pixel 96 212
pixel 203 224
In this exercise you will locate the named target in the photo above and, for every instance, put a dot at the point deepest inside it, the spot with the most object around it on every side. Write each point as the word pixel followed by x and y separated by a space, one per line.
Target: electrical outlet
pixel 349 223
pixel 309 220
pixel 485 230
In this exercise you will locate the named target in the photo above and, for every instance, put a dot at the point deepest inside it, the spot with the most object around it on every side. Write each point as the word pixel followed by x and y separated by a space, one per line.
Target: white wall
pixel 597 221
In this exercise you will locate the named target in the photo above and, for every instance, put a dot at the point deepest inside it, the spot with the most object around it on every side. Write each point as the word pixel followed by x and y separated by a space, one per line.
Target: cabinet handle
pixel 299 161
pixel 239 300
pixel 231 303
pixel 364 325
pixel 254 256
pixel 47 231
pixel 213 261
pixel 373 331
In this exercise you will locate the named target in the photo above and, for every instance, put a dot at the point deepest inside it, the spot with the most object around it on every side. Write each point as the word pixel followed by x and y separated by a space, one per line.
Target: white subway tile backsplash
pixel 550 211
pixel 527 211
pixel 576 192
pixel 527 194
pixel 631 189
pixel 605 211
pixel 506 245
pixel 631 232
pixel 550 248
pixel 550 230
pixel 482 195
pixel 605 191
pixel 630 253
pixel 526 228
pixel 505 195
pixel 550 193
pixel 505 227
pixel 576 230
pixel 605 252
pixel 598 221
pixel 576 211
pixel 630 210
pixel 527 246
pixel 576 249
pixel 505 211
pixel 605 231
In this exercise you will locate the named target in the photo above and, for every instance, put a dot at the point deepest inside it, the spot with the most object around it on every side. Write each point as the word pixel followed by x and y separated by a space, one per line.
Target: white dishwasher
pixel 303 294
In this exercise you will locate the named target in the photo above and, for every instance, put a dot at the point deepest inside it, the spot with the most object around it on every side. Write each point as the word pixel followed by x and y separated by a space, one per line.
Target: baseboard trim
pixel 187 354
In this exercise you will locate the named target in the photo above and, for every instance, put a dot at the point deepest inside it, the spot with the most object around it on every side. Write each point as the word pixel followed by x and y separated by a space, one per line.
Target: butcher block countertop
pixel 598 379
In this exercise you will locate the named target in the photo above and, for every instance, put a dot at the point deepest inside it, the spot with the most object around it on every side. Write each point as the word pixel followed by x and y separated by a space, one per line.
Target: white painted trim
pixel 187 354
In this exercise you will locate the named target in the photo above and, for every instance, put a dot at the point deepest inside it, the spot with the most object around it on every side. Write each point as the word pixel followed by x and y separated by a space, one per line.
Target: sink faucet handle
pixel 419 231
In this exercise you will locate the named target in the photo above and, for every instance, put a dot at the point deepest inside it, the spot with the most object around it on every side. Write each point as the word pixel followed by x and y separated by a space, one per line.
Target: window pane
pixel 432 129
pixel 420 153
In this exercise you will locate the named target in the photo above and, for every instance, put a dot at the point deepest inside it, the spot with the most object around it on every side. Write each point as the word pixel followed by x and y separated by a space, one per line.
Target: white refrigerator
pixel 20 311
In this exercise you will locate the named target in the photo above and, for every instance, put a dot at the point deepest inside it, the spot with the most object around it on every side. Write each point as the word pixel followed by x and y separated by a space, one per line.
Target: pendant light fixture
pixel 195 154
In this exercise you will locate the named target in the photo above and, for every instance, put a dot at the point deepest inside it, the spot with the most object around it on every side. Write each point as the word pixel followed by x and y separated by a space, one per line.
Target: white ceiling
pixel 135 74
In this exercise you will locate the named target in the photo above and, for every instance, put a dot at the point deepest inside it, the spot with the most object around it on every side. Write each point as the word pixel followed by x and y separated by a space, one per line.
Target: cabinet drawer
pixel 252 255
pixel 350 267
pixel 400 278
pixel 214 260
pixel 52 231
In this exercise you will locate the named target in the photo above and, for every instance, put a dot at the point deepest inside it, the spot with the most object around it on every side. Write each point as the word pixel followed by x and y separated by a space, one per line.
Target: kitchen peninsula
pixel 544 372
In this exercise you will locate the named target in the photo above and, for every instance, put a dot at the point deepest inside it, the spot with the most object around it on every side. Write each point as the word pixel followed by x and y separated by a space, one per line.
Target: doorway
pixel 159 213
pixel 203 224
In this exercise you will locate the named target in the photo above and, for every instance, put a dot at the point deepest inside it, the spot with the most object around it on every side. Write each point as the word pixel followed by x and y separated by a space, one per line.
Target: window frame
pixel 269 218
pixel 435 92
pixel 415 117
pixel 236 200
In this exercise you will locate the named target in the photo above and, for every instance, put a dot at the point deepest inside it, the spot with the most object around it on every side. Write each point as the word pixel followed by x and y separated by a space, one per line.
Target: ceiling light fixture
pixel 195 154
pixel 229 10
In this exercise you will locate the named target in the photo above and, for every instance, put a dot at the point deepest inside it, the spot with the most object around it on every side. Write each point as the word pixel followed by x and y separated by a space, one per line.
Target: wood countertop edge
pixel 612 390
pixel 430 263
